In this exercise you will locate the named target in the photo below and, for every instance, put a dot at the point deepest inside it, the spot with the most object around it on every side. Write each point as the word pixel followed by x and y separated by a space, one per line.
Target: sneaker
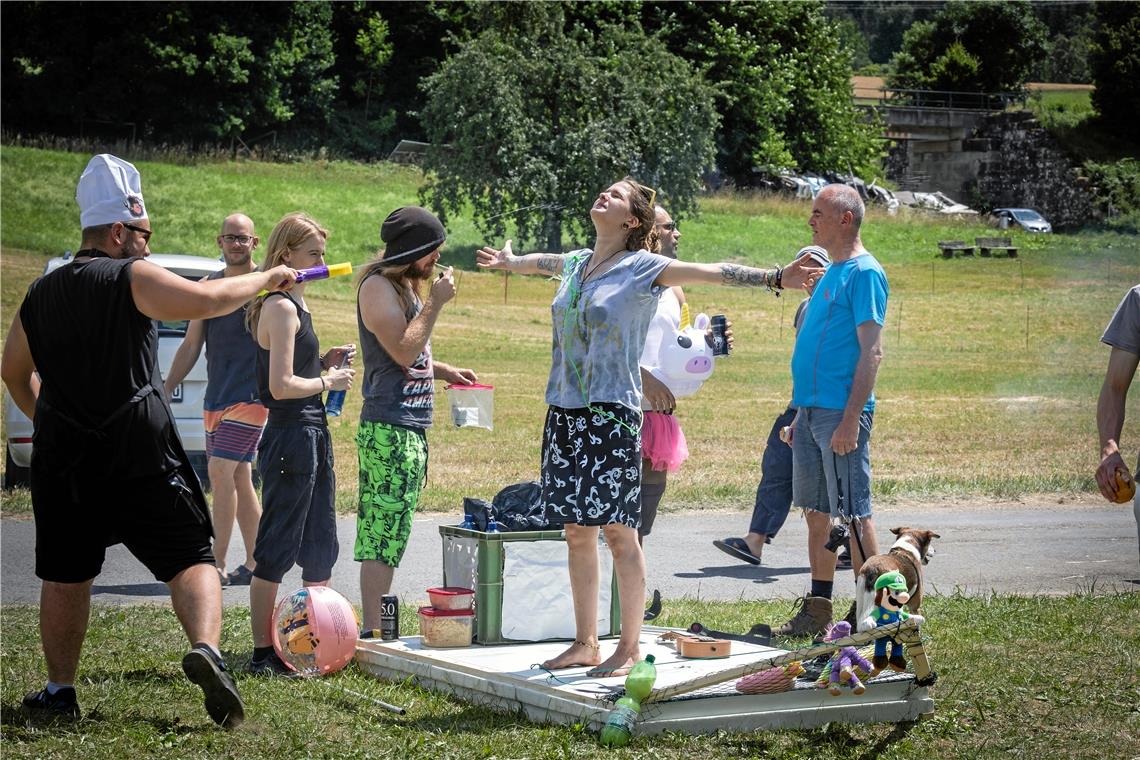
pixel 843 560
pixel 810 620
pixel 240 577
pixel 223 578
pixel 209 671
pixel 61 704
pixel 270 665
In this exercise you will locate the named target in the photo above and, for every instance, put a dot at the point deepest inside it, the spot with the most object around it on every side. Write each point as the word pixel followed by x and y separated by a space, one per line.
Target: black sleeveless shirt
pixel 101 413
pixel 306 363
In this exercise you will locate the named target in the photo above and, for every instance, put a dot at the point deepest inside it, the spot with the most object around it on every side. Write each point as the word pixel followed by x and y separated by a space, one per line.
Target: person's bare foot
pixel 579 654
pixel 617 664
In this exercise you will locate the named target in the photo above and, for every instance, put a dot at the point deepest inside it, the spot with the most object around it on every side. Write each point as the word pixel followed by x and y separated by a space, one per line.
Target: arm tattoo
pixel 734 274
pixel 550 264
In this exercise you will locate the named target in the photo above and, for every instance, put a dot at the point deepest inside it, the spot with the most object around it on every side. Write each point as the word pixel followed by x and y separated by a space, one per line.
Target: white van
pixel 188 396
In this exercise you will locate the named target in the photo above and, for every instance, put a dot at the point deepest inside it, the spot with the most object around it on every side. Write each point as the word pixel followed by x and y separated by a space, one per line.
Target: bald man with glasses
pixel 232 413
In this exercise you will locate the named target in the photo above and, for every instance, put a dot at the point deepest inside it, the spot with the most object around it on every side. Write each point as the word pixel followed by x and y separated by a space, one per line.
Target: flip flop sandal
pixel 737 547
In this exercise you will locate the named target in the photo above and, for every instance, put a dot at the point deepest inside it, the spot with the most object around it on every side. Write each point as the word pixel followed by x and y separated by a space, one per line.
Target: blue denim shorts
pixel 820 476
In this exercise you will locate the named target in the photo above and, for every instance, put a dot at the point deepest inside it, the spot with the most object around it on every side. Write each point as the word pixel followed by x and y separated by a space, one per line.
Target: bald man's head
pixel 237 240
pixel 844 198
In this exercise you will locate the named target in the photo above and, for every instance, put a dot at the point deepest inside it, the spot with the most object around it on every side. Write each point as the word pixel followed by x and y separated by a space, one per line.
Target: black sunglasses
pixel 144 232
pixel 670 226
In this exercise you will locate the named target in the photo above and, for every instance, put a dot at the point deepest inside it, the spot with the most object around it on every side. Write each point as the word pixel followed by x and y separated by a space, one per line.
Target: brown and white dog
pixel 907 555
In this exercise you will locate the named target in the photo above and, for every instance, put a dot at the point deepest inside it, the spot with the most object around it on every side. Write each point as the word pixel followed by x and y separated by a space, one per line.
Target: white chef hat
pixel 109 190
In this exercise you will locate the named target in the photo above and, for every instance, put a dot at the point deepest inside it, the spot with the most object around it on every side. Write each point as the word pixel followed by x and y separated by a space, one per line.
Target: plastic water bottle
pixel 468 522
pixel 493 526
pixel 335 400
pixel 620 722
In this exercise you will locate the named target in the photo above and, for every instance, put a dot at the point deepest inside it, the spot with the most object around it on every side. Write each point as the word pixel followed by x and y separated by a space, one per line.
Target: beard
pixel 421 270
pixel 239 259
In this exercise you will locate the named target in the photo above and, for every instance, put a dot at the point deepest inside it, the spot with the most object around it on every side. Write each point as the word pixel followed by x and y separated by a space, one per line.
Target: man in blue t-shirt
pixel 834 365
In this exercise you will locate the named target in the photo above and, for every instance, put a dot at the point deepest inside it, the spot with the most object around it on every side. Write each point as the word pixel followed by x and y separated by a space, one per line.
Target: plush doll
pixel 890 596
pixel 845 663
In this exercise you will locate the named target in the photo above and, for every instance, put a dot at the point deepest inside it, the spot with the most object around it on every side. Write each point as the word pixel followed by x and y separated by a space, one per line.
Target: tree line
pixel 531 104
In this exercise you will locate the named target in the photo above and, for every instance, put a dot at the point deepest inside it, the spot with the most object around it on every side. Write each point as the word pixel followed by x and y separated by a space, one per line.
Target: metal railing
pixel 949 99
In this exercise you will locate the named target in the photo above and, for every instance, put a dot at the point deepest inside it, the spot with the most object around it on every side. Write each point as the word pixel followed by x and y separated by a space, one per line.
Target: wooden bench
pixel 989 246
pixel 951 248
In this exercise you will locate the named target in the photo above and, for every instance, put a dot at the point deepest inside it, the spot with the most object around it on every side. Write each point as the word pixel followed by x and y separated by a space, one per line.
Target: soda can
pixel 720 341
pixel 389 617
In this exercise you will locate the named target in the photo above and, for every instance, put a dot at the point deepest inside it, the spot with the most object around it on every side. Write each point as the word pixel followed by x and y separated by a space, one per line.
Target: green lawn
pixel 1006 688
pixel 988 386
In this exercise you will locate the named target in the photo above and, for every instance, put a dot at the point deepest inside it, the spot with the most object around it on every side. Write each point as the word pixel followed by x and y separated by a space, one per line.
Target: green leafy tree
pixel 784 81
pixel 1115 63
pixel 530 120
pixel 971 46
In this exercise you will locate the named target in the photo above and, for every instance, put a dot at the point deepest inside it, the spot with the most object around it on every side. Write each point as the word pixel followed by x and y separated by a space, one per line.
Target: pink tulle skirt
pixel 662 442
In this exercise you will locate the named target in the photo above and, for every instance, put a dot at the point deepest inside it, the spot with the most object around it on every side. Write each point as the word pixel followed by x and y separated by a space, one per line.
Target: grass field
pixel 1006 689
pixel 988 386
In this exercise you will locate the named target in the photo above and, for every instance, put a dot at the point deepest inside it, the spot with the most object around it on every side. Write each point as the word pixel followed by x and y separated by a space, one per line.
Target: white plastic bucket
pixel 472 405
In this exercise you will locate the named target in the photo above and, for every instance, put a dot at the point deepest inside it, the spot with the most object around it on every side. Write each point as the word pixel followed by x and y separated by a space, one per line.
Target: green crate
pixel 489 562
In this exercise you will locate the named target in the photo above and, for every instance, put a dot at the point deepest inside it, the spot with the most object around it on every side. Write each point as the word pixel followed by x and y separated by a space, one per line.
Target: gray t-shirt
pixel 1123 331
pixel 599 330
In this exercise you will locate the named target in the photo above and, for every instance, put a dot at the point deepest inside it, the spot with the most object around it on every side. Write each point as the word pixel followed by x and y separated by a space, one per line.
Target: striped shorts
pixel 234 432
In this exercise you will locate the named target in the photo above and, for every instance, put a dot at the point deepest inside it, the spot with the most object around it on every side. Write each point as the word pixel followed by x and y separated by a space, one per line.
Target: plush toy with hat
pixel 890 596
pixel 845 663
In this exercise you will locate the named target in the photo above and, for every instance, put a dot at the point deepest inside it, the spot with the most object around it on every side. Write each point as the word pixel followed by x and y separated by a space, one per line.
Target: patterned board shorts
pixel 393 467
pixel 591 465
pixel 234 432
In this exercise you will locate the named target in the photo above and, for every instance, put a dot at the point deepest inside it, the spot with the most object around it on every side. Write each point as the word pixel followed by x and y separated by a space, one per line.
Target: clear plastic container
pixel 446 628
pixel 451 597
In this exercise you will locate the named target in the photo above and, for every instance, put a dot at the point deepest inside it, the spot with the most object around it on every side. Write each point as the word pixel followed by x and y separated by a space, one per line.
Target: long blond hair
pixel 293 230
pixel 642 205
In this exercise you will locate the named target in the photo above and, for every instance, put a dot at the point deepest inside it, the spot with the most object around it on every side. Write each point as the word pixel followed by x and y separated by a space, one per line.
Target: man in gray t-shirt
pixel 1123 334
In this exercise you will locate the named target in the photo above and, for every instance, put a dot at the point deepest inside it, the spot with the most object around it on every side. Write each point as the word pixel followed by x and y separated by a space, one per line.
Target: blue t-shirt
pixel 599 330
pixel 827 348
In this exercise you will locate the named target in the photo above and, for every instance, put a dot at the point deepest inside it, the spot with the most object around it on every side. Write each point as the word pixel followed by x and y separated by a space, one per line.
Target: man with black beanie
pixel 395 340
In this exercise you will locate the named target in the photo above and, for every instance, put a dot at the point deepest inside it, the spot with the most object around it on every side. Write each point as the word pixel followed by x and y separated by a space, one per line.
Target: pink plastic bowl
pixel 451 597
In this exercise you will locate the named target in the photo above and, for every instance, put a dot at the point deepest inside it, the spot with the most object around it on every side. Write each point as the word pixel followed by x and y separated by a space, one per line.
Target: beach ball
pixel 315 631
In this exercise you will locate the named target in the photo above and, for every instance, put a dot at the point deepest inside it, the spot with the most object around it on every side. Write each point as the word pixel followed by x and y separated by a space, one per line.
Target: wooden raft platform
pixel 690 696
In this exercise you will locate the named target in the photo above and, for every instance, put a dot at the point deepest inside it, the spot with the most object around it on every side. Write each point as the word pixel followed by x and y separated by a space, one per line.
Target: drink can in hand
pixel 719 325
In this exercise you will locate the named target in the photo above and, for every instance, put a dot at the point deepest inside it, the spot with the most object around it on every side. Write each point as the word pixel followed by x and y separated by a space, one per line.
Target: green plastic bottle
pixel 619 723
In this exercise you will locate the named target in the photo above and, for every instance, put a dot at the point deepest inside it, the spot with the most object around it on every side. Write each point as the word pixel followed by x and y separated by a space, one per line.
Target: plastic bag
pixel 471 405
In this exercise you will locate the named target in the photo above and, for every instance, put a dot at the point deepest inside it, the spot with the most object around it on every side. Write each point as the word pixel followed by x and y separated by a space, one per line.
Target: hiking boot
pixel 209 671
pixel 61 704
pixel 270 665
pixel 811 620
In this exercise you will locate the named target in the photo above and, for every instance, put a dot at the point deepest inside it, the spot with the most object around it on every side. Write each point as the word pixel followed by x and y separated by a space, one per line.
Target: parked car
pixel 187 399
pixel 1025 218
pixel 937 202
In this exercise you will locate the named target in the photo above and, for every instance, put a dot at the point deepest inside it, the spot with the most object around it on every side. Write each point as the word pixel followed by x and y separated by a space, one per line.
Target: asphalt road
pixel 1015 548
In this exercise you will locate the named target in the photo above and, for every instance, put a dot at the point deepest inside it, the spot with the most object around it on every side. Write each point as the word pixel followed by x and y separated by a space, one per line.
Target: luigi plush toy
pixel 890 596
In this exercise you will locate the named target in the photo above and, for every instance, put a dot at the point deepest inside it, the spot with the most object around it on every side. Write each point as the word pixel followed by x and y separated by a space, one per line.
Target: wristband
pixel 324 386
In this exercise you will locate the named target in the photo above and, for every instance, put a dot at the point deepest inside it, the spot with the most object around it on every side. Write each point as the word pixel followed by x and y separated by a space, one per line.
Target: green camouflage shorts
pixel 393 467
